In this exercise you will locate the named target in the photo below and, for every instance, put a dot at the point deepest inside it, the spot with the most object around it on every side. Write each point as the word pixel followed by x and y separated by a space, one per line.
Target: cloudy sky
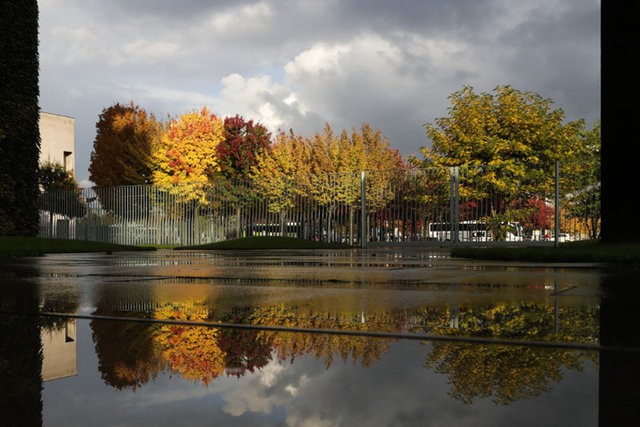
pixel 298 64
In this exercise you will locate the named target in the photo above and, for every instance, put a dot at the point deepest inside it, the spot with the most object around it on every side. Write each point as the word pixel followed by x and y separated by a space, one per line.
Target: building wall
pixel 57 140
pixel 59 353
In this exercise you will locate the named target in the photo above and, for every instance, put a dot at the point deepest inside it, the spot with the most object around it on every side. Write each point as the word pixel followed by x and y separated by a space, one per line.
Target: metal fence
pixel 458 205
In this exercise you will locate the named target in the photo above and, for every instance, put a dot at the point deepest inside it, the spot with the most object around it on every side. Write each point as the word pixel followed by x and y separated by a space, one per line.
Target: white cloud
pixel 319 58
pixel 256 98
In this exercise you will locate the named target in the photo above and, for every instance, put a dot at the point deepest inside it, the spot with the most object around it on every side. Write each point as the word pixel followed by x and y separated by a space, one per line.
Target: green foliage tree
pixel 581 182
pixel 60 193
pixel 19 116
pixel 508 143
pixel 53 176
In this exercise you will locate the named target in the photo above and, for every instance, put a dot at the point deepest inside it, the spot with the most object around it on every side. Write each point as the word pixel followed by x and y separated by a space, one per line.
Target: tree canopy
pixel 508 142
pixel 243 142
pixel 185 156
pixel 122 148
pixel 53 176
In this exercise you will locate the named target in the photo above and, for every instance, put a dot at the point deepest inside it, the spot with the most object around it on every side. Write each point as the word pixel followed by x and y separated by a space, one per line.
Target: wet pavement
pixel 376 337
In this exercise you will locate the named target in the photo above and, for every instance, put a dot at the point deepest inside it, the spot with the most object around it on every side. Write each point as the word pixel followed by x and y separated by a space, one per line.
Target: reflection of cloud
pixel 263 391
pixel 269 374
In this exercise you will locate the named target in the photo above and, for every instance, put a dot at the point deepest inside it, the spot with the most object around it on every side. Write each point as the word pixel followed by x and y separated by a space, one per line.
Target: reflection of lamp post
pixel 454 317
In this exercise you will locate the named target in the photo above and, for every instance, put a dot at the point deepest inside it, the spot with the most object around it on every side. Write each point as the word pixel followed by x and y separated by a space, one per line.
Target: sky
pixel 300 64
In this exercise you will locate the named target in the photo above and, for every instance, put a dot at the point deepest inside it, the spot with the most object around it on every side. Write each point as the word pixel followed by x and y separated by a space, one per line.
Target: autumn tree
pixel 281 174
pixel 338 160
pixel 185 156
pixel 507 142
pixel 236 154
pixel 325 347
pixel 581 181
pixel 243 142
pixel 122 147
pixel 127 355
pixel 380 160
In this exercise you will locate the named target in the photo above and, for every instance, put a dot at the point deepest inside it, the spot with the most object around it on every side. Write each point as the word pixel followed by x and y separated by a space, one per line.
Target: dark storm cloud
pixel 299 64
pixel 427 17
pixel 175 10
pixel 554 55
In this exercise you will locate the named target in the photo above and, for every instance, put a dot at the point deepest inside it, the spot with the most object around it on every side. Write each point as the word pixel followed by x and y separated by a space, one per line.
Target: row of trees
pixel 190 152
pixel 507 142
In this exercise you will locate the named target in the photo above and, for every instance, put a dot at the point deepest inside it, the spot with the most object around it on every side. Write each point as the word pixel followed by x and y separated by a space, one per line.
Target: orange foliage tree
pixel 191 351
pixel 122 147
pixel 185 157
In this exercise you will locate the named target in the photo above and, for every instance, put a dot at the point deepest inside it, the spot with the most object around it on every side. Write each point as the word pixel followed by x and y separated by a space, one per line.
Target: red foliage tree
pixel 243 142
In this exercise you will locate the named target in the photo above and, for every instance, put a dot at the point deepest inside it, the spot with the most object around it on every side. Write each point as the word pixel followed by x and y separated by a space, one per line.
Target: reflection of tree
pixel 191 351
pixel 61 299
pixel 327 347
pixel 503 373
pixel 508 373
pixel 245 350
pixel 126 355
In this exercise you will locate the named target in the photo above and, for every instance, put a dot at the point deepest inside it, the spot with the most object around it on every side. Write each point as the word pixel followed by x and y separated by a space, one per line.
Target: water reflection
pixel 162 366
pixel 132 355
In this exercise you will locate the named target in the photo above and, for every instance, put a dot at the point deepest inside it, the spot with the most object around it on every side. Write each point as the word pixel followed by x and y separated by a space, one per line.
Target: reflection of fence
pixel 358 209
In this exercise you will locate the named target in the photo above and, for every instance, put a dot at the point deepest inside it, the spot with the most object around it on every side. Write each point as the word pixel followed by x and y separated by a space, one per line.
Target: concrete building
pixel 57 140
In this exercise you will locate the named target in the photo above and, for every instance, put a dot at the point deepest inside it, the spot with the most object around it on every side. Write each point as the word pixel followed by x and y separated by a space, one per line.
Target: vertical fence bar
pixel 454 200
pixel 400 206
pixel 556 224
pixel 363 210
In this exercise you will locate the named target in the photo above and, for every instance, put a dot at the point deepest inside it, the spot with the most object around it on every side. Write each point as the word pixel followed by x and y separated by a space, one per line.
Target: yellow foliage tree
pixel 185 156
pixel 191 351
pixel 507 142
pixel 282 172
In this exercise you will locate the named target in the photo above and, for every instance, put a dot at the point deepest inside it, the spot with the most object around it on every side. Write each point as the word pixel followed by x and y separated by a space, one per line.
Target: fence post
pixel 556 221
pixel 363 210
pixel 454 200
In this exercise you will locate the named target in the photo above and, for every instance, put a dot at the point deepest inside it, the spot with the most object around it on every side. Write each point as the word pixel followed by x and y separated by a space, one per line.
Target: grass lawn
pixel 575 252
pixel 37 246
pixel 572 252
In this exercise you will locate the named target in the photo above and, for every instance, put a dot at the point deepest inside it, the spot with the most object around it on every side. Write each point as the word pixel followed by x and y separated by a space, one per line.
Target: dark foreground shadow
pixel 619 393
